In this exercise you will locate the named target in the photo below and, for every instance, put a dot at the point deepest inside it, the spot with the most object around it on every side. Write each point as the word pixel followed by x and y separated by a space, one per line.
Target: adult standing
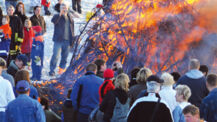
pixel 76 6
pixel 196 81
pixel 37 19
pixel 17 34
pixel 20 12
pixel 63 37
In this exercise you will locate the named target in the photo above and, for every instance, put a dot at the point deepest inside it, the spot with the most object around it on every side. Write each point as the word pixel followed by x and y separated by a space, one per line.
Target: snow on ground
pixel 87 5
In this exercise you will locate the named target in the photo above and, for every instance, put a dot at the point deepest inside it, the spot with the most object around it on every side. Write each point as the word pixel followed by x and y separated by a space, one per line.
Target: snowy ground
pixel 87 5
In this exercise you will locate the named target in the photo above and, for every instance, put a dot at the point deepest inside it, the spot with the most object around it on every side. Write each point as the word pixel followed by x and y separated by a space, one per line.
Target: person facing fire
pixel 117 68
pixel 101 67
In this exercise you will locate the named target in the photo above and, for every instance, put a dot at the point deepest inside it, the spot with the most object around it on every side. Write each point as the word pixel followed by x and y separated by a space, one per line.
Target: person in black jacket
pixel 17 34
pixel 20 12
pixel 37 19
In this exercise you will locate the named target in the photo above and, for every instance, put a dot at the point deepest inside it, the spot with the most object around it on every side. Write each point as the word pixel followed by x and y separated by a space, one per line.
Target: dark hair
pixel 212 79
pixel 21 75
pixel 204 69
pixel 192 109
pixel 3 63
pixel 69 92
pixel 44 101
pixel 91 67
pixel 17 6
pixel 99 63
pixel 36 8
pixel 176 76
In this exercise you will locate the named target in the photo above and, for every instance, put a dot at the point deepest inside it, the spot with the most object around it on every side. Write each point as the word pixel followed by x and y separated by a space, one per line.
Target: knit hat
pixel 154 78
pixel 22 86
pixel 23 58
pixel 99 6
pixel 108 73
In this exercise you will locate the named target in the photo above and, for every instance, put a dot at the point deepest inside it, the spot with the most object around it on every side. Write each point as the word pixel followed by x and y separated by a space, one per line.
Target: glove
pixel 37 61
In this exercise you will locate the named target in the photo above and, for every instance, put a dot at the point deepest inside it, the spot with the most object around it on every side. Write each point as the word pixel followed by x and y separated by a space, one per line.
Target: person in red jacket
pixel 26 46
pixel 107 84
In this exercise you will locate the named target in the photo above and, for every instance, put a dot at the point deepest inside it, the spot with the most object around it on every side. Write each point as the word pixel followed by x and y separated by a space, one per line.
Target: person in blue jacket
pixel 24 108
pixel 89 97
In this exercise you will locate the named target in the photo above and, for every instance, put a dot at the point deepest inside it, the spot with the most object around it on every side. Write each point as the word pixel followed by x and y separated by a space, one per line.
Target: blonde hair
pixel 122 82
pixel 168 79
pixel 183 90
pixel 143 74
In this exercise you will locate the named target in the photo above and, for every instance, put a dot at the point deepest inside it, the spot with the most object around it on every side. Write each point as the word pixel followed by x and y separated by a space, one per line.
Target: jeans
pixel 64 47
pixel 2 116
pixel 8 3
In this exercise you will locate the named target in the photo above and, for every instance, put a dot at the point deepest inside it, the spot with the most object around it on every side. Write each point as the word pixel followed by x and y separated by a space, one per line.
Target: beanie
pixel 108 73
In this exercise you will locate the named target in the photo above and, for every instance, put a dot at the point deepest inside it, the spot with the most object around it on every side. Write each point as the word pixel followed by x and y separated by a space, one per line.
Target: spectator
pixel 191 113
pixel 117 68
pixel 116 99
pixel 5 37
pixel 76 6
pixel 89 97
pixel 107 84
pixel 19 63
pixel 24 108
pixel 26 46
pixel 63 38
pixel 6 92
pixel 67 108
pixel 49 114
pixel 183 93
pixel 1 15
pixel 37 19
pixel 150 108
pixel 141 78
pixel 24 75
pixel 208 108
pixel 17 34
pixel 133 76
pixel 4 74
pixel 176 77
pixel 167 87
pixel 196 81
pixel 101 67
pixel 10 2
pixel 57 6
pixel 20 12
pixel 204 69
pixel 46 4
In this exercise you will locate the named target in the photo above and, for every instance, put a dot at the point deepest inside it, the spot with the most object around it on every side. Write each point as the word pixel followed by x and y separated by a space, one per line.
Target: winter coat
pixel 59 28
pixel 169 98
pixel 89 95
pixel 23 17
pixel 105 88
pixel 4 45
pixel 208 108
pixel 143 108
pixel 177 113
pixel 6 30
pixel 38 21
pixel 26 46
pixel 17 34
pixel 67 111
pixel 134 92
pixel 196 81
pixel 12 68
pixel 108 104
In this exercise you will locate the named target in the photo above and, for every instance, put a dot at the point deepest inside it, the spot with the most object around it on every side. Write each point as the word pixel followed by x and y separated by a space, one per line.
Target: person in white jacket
pixel 6 93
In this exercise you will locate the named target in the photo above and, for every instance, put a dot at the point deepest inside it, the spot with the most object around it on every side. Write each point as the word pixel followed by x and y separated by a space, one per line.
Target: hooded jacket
pixel 196 81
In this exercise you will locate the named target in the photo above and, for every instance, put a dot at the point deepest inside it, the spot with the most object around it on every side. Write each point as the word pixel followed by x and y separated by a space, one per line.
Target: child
pixel 5 37
pixel 37 53
pixel 26 46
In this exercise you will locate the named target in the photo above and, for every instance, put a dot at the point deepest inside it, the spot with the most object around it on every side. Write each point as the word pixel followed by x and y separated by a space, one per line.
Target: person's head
pixel 101 65
pixel 122 82
pixel 108 74
pixel 91 68
pixel 64 7
pixel 176 76
pixel 10 10
pixel 191 113
pixel 183 93
pixel 167 78
pixel 3 64
pixel 20 7
pixel 134 72
pixel 21 61
pixel 211 82
pixel 153 84
pixel 69 93
pixel 194 64
pixel 204 69
pixel 44 102
pixel 28 23
pixel 21 75
pixel 37 10
pixel 142 75
pixel 116 65
pixel 5 20
pixel 23 87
